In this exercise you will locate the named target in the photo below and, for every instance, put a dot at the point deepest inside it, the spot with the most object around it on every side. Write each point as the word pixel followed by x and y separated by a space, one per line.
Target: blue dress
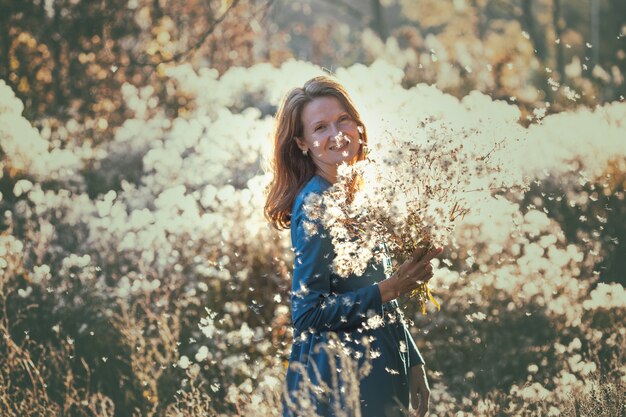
pixel 327 309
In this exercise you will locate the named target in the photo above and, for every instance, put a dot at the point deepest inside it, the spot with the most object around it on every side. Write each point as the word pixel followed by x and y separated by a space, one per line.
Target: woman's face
pixel 331 135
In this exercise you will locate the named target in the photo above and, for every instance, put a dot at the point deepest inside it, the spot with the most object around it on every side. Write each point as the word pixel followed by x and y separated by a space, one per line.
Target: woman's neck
pixel 331 177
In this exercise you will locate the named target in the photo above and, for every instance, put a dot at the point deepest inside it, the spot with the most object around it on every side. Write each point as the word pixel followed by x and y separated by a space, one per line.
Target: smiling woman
pixel 310 121
pixel 352 353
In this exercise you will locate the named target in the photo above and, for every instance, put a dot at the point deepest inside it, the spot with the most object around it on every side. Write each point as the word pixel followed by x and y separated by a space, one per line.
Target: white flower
pixel 207 324
pixel 184 362
pixel 375 321
pixel 202 354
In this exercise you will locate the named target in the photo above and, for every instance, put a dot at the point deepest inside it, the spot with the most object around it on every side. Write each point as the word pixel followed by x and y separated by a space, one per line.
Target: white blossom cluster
pixel 24 151
pixel 414 190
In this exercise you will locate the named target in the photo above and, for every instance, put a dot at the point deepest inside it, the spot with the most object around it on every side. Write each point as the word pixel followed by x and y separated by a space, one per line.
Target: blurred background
pixel 69 58
pixel 139 278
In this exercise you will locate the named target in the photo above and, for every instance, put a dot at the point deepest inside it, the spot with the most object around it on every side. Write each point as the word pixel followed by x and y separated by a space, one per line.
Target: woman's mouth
pixel 340 142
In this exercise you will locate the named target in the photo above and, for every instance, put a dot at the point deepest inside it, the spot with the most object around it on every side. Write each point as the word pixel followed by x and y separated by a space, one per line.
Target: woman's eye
pixel 318 128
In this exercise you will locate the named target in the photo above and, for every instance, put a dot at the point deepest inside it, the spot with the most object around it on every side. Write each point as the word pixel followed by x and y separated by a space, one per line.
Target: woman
pixel 317 129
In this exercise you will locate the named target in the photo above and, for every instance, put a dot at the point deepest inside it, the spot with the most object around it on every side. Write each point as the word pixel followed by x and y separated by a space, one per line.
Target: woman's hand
pixel 413 271
pixel 420 392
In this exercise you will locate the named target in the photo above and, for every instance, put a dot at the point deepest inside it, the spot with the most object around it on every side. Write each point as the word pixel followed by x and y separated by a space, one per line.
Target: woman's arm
pixel 312 304
pixel 420 391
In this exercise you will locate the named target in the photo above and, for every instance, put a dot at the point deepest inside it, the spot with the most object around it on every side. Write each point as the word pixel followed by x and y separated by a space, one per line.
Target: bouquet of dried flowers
pixel 404 195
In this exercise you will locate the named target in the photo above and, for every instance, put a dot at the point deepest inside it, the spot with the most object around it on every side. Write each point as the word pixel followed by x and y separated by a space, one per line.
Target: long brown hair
pixel 292 170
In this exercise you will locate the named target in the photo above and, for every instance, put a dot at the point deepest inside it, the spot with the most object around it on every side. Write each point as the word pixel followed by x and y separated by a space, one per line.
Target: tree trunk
pixel 537 39
pixel 595 32
pixel 378 23
pixel 558 31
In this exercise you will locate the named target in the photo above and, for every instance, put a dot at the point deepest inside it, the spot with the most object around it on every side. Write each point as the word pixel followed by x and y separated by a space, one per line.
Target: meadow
pixel 138 276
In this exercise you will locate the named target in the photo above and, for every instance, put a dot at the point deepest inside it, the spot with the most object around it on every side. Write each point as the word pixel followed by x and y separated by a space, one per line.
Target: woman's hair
pixel 292 169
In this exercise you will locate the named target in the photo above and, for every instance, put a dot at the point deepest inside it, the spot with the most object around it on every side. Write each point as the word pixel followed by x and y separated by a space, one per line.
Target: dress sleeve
pixel 313 306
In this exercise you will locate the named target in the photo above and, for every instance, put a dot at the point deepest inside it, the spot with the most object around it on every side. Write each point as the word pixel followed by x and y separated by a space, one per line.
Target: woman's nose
pixel 333 130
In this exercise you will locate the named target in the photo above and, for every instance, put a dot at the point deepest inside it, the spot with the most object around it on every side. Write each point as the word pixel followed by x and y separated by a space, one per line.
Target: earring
pixel 305 152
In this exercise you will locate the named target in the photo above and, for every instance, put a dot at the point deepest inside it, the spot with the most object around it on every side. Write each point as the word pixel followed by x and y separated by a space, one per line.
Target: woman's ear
pixel 301 144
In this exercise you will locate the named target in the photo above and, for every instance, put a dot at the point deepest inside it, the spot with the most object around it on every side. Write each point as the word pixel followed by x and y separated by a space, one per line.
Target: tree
pixel 68 59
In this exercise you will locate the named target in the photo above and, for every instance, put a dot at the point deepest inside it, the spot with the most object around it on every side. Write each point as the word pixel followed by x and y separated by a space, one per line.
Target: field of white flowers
pixel 139 277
